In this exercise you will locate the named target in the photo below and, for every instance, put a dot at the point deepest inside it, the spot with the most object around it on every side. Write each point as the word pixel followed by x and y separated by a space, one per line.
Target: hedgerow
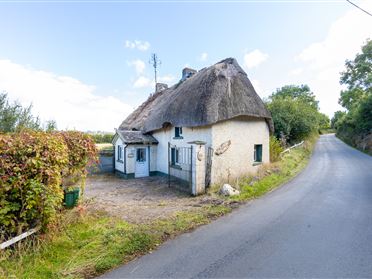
pixel 33 166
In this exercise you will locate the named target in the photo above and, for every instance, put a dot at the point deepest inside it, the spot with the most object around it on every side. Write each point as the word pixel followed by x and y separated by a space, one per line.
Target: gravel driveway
pixel 138 200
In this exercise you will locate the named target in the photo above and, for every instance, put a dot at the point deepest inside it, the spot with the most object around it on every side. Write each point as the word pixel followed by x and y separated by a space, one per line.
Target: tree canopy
pixel 355 125
pixel 301 93
pixel 294 110
pixel 14 117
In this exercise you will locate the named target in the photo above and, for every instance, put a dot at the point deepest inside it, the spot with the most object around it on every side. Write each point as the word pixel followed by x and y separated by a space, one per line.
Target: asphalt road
pixel 317 225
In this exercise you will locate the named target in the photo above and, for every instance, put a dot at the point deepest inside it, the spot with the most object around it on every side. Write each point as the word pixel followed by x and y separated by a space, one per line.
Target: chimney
pixel 187 72
pixel 160 87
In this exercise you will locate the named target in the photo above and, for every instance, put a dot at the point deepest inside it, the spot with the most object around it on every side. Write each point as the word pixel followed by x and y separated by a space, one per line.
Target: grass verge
pixel 85 244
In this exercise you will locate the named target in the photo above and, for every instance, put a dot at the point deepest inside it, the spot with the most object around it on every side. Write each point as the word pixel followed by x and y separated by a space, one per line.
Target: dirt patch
pixel 140 200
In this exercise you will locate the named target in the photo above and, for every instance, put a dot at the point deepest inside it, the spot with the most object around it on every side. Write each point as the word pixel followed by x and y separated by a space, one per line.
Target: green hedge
pixel 33 167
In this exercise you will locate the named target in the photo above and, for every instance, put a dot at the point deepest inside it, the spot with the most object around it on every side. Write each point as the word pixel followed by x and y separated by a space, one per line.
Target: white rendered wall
pixel 238 159
pixel 167 135
pixel 131 157
pixel 119 165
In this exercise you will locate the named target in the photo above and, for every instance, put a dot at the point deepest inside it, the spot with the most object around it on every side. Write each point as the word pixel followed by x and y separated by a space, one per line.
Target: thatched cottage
pixel 208 128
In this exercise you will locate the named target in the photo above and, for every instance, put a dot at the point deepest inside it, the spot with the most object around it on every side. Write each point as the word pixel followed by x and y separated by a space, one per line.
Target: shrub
pixel 33 165
pixel 295 113
pixel 275 149
pixel 31 175
pixel 82 153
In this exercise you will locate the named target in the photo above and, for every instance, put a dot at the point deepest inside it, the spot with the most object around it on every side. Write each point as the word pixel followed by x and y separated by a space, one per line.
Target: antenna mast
pixel 155 62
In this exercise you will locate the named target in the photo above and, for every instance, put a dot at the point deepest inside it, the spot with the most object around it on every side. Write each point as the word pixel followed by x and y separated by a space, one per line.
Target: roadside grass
pixel 86 244
pixel 272 175
pixel 350 143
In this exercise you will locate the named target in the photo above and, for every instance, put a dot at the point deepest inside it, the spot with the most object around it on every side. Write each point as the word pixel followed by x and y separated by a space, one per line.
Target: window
pixel 120 153
pixel 141 155
pixel 178 132
pixel 175 156
pixel 257 157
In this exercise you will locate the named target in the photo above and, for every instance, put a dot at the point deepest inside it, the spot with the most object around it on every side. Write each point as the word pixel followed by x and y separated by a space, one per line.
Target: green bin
pixel 71 197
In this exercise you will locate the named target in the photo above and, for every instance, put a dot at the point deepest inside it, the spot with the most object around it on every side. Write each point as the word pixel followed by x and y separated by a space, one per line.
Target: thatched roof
pixel 219 92
pixel 134 137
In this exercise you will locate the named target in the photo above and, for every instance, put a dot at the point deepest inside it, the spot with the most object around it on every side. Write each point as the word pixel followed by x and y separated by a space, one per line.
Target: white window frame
pixel 120 153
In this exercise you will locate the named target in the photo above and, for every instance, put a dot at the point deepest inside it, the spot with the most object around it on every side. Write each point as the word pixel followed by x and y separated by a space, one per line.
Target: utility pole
pixel 155 62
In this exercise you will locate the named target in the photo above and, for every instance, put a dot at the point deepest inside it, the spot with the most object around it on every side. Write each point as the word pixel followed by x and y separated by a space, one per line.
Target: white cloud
pixel 323 61
pixel 204 56
pixel 136 44
pixel 296 72
pixel 167 79
pixel 73 104
pixel 138 65
pixel 254 58
pixel 257 86
pixel 145 82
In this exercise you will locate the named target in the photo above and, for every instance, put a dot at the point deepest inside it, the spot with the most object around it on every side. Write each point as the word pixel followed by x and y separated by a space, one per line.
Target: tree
pixel 324 121
pixel 338 115
pixel 50 125
pixel 358 72
pixel 301 93
pixel 294 110
pixel 14 117
pixel 355 126
pixel 357 78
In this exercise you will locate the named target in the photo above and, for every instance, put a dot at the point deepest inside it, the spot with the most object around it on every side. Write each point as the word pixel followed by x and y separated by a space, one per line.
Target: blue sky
pixel 79 63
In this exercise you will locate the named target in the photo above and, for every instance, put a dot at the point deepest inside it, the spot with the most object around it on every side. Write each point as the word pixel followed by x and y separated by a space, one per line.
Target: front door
pixel 142 164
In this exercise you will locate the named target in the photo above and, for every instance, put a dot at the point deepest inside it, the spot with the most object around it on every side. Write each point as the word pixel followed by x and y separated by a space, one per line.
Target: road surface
pixel 317 225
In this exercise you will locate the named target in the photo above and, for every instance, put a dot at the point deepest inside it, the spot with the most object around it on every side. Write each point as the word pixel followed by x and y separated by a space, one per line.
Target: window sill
pixel 120 161
pixel 177 137
pixel 176 167
pixel 256 163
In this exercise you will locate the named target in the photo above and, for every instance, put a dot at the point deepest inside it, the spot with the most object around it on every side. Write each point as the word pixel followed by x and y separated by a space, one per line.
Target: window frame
pixel 175 156
pixel 257 153
pixel 120 153
pixel 142 152
pixel 178 132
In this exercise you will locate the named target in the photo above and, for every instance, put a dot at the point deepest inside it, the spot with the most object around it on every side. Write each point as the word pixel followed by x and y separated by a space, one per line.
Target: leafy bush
pixel 82 153
pixel 33 165
pixel 295 113
pixel 31 175
pixel 275 149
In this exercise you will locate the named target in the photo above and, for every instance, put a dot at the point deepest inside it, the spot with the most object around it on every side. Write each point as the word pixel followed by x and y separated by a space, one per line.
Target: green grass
pixel 84 245
pixel 276 174
pixel 273 175
pixel 91 244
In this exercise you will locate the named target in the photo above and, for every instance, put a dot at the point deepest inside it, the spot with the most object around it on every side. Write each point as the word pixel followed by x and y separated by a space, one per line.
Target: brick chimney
pixel 161 87
pixel 187 72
